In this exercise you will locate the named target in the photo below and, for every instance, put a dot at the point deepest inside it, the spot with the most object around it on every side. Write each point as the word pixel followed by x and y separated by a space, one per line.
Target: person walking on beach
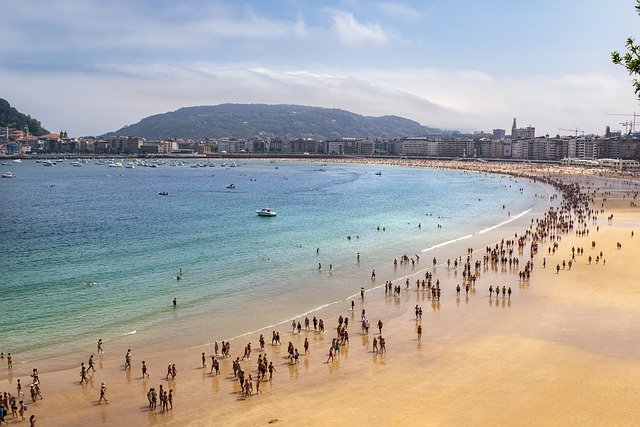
pixel 154 398
pixel 93 368
pixel 23 408
pixel 100 346
pixel 168 372
pixel 375 345
pixel 144 370
pixel 272 369
pixel 127 360
pixel 306 345
pixel 32 420
pixel 419 331
pixel 103 394
pixel 380 326
pixel 19 388
pixel 215 365
pixel 83 374
pixel 9 361
pixel 383 346
pixel 174 372
pixel 330 354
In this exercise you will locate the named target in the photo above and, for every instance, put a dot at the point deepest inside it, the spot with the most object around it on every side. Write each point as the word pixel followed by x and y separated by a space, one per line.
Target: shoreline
pixel 489 234
pixel 148 339
pixel 392 312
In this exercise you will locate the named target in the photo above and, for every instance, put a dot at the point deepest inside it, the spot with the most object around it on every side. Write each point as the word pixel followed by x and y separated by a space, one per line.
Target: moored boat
pixel 266 212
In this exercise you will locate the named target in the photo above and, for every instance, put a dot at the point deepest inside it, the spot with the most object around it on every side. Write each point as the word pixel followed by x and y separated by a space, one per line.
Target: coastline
pixel 455 335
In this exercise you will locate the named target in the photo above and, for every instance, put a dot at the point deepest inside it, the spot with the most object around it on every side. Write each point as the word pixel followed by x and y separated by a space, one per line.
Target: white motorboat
pixel 115 165
pixel 76 164
pixel 266 212
pixel 49 163
pixel 17 161
pixel 8 175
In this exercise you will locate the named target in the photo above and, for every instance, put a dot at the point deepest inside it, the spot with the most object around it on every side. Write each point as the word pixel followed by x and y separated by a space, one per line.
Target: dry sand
pixel 565 349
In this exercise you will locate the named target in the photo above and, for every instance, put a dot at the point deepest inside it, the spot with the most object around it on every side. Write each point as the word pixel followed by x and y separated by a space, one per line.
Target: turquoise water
pixel 64 226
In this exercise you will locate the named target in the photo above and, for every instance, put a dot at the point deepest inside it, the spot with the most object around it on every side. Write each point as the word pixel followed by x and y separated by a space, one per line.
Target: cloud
pixel 99 28
pixel 351 32
pixel 94 100
pixel 399 10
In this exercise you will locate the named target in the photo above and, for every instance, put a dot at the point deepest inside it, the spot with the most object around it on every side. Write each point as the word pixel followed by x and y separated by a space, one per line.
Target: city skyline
pixel 92 67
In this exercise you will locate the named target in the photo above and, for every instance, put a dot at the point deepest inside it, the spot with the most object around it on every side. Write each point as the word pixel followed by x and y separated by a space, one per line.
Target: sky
pixel 93 66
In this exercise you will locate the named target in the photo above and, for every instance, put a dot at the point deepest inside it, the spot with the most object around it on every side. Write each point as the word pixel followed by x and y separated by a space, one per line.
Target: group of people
pixel 573 212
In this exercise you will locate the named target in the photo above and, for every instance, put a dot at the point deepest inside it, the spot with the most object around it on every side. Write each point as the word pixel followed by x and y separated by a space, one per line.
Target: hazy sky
pixel 93 66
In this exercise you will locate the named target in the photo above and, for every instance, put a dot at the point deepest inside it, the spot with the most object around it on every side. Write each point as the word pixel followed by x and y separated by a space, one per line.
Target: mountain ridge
pixel 275 120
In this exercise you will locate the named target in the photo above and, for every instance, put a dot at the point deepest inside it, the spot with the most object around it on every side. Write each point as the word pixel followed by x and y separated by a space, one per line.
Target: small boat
pixel 231 186
pixel 76 164
pixel 163 193
pixel 49 163
pixel 8 175
pixel 6 163
pixel 378 173
pixel 115 165
pixel 17 161
pixel 130 166
pixel 266 212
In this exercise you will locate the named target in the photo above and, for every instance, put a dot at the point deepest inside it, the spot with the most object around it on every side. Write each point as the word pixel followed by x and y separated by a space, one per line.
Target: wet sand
pixel 564 349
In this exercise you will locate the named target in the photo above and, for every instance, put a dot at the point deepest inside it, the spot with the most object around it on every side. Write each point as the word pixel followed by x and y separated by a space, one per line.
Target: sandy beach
pixel 564 348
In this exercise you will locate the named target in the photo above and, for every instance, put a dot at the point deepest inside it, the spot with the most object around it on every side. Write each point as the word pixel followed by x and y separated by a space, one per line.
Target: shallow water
pixel 62 227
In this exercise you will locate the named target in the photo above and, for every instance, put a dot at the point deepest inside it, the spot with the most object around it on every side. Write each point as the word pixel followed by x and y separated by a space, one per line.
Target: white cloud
pixel 351 32
pixel 91 103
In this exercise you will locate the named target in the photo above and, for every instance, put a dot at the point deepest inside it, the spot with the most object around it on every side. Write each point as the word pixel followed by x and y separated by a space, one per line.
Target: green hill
pixel 10 117
pixel 249 120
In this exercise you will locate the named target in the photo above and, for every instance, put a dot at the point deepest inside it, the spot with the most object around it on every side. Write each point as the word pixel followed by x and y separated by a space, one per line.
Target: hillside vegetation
pixel 249 120
pixel 10 117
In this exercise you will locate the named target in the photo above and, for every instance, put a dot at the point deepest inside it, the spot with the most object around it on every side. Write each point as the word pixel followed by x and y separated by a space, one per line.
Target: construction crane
pixel 633 124
pixel 576 130
pixel 626 125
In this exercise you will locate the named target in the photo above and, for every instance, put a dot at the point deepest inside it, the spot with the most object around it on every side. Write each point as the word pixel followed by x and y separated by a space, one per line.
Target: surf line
pixel 264 328
pixel 468 236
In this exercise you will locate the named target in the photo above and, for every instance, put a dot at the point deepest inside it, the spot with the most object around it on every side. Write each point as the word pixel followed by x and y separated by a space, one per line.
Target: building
pixel 437 146
pixel 583 147
pixel 499 133
pixel 620 165
pixel 525 133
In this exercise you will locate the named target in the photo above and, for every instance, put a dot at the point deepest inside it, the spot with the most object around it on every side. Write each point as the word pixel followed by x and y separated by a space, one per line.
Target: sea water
pixel 95 251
